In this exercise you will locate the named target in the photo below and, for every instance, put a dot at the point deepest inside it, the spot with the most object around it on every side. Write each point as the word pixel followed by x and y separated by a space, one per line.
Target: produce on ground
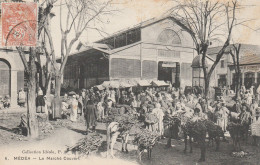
pixel 87 145
pixel 146 139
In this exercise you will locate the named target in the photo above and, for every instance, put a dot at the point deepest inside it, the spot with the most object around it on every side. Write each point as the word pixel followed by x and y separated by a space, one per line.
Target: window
pixel 110 42
pixel 149 69
pixel 124 39
pixel 120 40
pixel 125 68
pixel 222 64
pixel 169 37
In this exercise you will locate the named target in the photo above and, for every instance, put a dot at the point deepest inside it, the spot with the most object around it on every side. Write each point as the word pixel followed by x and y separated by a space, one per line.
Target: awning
pixel 159 83
pixel 110 84
pixel 131 82
pixel 99 87
pixel 124 84
pixel 144 83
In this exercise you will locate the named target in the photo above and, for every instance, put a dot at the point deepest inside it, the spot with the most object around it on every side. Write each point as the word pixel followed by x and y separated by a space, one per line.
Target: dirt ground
pixel 64 136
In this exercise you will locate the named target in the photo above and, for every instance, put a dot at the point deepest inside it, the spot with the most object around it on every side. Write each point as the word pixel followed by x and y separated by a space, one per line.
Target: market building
pixel 157 49
pixel 249 59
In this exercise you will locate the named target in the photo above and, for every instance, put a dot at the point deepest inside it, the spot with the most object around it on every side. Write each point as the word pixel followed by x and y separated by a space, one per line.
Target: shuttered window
pixel 150 69
pixel 125 68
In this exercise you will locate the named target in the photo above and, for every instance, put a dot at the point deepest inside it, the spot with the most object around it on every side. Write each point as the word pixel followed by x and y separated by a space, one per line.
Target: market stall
pixel 111 84
pixel 159 83
pixel 99 87
pixel 144 83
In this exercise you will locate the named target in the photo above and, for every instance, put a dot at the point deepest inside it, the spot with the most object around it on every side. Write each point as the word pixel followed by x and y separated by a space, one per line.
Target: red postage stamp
pixel 19 24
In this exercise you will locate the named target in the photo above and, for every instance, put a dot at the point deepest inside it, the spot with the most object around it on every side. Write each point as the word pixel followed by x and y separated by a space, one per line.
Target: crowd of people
pixel 151 102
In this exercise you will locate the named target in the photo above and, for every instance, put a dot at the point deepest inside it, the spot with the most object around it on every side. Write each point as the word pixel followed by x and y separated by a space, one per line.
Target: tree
pixel 81 15
pixel 207 21
pixel 31 70
pixel 234 52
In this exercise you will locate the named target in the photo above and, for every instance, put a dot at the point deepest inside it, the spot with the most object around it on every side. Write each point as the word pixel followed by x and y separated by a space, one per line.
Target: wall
pixel 148 51
pixel 125 62
pixel 151 46
pixel 16 67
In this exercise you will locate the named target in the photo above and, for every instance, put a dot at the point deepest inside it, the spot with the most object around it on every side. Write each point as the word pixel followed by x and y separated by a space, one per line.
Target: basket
pixel 255 129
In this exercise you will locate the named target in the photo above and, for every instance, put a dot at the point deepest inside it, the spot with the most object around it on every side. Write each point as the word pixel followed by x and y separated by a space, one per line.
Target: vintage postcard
pixel 130 82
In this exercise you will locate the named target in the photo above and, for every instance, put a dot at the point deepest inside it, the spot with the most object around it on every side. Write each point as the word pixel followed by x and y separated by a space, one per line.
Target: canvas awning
pixel 159 83
pixel 124 84
pixel 99 87
pixel 144 83
pixel 110 84
pixel 132 82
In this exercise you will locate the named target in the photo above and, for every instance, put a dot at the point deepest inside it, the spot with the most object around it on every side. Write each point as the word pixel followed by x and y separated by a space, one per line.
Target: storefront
pixel 250 71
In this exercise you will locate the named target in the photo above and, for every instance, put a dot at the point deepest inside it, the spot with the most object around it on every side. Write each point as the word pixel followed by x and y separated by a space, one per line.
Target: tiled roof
pixel 250 59
pixel 246 49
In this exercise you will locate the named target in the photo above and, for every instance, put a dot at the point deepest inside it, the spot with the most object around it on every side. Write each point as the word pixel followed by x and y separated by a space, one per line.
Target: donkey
pixel 113 132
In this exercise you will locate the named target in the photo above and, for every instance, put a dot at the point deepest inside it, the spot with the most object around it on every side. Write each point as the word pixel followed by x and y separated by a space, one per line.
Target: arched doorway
pixel 5 77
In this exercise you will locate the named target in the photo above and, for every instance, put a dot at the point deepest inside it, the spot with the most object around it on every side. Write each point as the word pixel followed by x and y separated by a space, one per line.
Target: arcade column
pixel 14 88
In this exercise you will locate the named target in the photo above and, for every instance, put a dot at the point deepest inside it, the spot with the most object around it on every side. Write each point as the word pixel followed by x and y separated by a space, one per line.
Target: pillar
pixel 243 78
pixel 255 77
pixel 14 88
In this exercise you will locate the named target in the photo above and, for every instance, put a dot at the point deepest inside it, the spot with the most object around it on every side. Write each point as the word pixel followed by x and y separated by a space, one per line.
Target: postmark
pixel 19 24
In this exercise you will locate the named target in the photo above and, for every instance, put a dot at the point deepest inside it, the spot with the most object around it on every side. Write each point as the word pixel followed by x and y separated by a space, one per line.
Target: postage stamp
pixel 19 24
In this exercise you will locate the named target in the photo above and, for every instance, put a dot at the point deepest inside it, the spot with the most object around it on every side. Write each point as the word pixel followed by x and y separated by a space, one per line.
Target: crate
pixel 255 129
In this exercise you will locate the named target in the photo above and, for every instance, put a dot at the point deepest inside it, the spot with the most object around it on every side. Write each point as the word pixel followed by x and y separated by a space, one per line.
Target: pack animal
pixel 235 131
pixel 141 148
pixel 198 130
pixel 113 132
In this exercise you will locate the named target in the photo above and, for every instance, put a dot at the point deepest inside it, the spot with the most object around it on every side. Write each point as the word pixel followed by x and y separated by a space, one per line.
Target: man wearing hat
pixel 159 113
pixel 109 104
pixel 237 106
pixel 21 97
pixel 253 109
pixel 74 108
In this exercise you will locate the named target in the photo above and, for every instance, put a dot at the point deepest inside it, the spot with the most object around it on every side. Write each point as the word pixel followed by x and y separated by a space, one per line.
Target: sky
pixel 132 12
pixel 128 14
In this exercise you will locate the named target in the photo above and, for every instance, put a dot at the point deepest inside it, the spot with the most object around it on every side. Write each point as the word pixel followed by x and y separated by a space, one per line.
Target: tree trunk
pixel 33 129
pixel 48 87
pixel 57 105
pixel 57 85
pixel 206 89
pixel 238 85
